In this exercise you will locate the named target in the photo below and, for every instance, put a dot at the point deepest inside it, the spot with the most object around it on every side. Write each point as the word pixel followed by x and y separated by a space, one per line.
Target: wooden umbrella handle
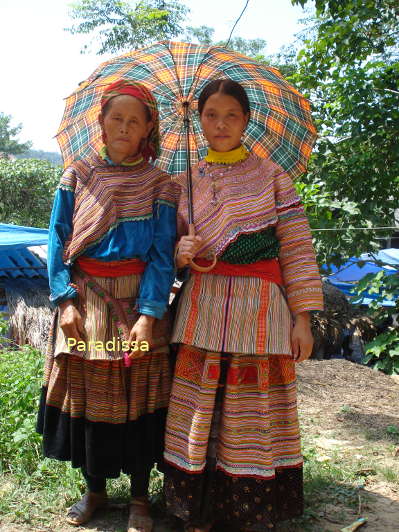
pixel 203 269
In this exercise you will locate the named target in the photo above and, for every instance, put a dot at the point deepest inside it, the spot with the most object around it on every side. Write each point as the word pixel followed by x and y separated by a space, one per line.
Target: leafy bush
pixel 20 377
pixel 383 352
pixel 32 487
pixel 3 327
pixel 26 191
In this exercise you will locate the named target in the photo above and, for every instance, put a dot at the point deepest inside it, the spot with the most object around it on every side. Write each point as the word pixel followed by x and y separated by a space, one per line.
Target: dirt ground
pixel 350 409
pixel 346 410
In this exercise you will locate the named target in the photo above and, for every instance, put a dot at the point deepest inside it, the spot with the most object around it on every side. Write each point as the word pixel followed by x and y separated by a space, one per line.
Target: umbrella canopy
pixel 280 126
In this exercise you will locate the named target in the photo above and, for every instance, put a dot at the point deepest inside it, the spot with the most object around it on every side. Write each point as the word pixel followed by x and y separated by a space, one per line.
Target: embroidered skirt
pixel 94 411
pixel 232 440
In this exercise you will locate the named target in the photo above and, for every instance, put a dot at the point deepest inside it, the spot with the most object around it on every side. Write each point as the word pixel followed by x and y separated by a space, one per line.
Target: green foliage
pixel 20 376
pixel 353 30
pixel 252 48
pixel 3 327
pixel 384 286
pixel 8 144
pixel 32 487
pixel 26 191
pixel 249 47
pixel 122 25
pixel 201 34
pixel 284 61
pixel 383 352
pixel 348 67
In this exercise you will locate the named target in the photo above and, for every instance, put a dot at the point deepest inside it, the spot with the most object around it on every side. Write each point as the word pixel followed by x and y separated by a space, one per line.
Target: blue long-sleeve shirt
pixel 151 240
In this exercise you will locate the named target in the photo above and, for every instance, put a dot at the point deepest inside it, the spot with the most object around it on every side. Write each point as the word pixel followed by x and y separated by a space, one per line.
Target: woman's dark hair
pixel 224 86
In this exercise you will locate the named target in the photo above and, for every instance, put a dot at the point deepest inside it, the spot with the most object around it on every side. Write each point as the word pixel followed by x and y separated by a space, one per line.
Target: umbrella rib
pixel 196 77
pixel 175 67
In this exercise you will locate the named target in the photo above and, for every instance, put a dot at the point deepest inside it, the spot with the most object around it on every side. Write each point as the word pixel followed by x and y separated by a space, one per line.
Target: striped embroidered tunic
pixel 113 213
pixel 253 197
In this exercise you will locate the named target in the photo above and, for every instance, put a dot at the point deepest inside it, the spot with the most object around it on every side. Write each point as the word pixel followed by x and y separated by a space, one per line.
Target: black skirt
pixel 104 417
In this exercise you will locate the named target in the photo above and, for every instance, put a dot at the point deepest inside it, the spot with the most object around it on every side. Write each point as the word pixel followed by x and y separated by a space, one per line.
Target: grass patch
pixel 333 481
pixel 389 474
pixel 37 499
pixel 346 409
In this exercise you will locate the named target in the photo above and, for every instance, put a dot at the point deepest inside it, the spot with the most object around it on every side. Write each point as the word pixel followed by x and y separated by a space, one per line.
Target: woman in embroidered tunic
pixel 110 264
pixel 232 442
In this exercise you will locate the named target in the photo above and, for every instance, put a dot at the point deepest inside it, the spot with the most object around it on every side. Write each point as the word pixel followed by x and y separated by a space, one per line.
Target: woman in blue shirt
pixel 110 264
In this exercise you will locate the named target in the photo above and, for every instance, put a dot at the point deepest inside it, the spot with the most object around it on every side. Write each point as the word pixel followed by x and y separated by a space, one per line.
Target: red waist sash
pixel 115 268
pixel 268 269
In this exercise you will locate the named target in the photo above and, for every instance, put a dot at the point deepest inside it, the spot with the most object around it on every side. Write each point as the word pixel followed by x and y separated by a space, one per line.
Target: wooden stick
pixel 354 526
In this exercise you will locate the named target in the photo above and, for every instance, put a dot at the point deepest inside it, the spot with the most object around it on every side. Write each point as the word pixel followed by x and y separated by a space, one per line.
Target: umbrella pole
pixel 191 230
pixel 186 121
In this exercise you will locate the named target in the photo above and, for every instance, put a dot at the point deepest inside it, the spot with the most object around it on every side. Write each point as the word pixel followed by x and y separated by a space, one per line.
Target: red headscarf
pixel 139 91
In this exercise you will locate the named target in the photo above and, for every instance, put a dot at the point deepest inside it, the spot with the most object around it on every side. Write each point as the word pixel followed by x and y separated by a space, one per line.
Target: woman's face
pixel 223 122
pixel 125 125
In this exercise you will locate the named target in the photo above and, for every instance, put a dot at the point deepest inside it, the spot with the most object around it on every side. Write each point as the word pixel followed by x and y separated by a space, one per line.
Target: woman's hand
pixel 71 321
pixel 301 337
pixel 141 332
pixel 187 248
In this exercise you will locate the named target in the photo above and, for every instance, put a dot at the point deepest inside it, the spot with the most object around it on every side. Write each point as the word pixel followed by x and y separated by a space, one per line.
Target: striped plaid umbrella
pixel 280 126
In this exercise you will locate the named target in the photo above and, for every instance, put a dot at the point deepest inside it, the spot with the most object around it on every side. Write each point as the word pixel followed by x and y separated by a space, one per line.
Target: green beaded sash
pixel 252 247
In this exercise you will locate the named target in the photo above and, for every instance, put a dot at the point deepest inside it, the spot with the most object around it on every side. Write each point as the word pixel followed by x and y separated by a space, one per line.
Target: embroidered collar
pixel 227 157
pixel 129 161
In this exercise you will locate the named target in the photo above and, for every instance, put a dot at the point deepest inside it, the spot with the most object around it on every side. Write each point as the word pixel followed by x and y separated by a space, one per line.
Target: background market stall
pixel 24 283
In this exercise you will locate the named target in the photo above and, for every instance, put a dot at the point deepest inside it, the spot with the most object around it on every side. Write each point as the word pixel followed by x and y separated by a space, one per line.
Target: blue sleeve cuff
pixel 150 308
pixel 70 293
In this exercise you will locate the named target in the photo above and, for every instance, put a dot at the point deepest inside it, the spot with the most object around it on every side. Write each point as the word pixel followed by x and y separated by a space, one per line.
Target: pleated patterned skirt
pixel 94 411
pixel 232 440
pixel 232 446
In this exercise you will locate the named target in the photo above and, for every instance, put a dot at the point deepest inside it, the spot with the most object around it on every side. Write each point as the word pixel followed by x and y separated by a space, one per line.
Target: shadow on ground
pixel 344 505
pixel 374 426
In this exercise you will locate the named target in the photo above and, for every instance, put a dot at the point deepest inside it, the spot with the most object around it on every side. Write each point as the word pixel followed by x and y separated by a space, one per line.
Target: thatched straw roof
pixel 339 315
pixel 30 312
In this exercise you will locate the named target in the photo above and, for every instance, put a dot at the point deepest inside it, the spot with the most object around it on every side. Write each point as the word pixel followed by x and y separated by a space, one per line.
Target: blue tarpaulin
pixel 18 236
pixel 16 259
pixel 346 277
